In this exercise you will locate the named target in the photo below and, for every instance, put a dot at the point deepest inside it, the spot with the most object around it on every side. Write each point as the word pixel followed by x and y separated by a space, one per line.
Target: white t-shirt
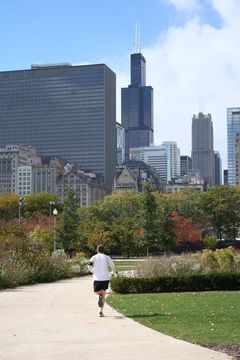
pixel 101 264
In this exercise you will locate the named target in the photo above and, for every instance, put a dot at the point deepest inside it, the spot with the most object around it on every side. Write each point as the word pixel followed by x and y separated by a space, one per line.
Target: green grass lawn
pixel 126 264
pixel 200 317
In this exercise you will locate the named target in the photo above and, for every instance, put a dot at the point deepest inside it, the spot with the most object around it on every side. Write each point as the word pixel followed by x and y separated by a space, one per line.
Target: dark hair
pixel 100 248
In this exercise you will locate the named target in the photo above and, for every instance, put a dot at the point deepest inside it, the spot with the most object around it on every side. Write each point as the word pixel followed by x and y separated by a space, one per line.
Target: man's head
pixel 100 248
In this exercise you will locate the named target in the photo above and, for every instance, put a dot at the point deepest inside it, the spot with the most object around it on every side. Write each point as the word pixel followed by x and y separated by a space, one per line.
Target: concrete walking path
pixel 59 321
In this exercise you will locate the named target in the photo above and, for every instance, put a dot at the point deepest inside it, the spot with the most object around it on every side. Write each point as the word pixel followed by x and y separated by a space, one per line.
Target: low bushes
pixel 206 261
pixel 28 261
pixel 197 282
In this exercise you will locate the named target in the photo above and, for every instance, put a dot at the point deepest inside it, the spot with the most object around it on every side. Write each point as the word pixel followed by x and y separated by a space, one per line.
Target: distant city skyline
pixel 189 45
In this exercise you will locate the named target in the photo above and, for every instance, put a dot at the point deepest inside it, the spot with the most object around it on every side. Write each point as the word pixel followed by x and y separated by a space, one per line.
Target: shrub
pixel 207 261
pixel 197 282
pixel 28 261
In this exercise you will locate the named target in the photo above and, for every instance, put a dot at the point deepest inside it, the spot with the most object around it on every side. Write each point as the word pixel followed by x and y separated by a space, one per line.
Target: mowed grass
pixel 127 264
pixel 201 317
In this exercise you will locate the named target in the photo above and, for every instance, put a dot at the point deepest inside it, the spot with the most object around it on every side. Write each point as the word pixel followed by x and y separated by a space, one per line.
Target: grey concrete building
pixel 202 147
pixel 15 168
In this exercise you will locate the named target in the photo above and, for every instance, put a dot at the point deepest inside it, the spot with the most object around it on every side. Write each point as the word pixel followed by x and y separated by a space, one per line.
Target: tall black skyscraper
pixel 64 111
pixel 137 106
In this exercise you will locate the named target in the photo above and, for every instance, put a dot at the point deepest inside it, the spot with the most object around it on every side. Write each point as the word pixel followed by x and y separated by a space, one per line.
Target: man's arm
pixel 91 266
pixel 111 264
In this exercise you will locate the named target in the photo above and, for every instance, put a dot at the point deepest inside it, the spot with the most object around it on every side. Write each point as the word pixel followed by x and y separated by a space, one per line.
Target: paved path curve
pixel 59 321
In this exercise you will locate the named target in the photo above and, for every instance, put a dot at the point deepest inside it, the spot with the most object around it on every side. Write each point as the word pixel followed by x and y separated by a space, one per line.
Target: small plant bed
pixel 207 318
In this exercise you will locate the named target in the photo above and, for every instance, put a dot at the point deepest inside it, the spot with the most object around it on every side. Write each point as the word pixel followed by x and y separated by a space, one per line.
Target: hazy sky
pixel 191 48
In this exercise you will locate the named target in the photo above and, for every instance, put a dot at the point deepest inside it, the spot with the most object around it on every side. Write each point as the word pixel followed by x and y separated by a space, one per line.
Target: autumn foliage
pixel 186 232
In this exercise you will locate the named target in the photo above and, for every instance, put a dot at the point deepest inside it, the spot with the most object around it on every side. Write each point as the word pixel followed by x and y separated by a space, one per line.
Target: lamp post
pixel 50 207
pixel 55 212
pixel 20 204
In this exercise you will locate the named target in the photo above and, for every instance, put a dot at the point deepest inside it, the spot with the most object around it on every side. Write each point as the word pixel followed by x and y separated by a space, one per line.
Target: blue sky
pixel 191 48
pixel 76 31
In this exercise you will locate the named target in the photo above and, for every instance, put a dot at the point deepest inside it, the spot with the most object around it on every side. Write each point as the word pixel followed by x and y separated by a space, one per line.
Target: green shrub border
pixel 197 282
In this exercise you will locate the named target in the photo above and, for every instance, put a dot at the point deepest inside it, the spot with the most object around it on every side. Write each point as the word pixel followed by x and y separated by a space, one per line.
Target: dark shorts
pixel 100 285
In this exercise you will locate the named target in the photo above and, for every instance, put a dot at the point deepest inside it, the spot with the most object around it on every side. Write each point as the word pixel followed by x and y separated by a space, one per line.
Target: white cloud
pixel 185 5
pixel 189 63
pixel 228 9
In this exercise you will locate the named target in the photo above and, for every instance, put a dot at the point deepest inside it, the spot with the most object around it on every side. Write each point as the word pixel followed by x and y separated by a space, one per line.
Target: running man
pixel 99 265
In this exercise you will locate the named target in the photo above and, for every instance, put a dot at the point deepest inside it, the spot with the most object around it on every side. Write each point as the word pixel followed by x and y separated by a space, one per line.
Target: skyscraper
pixel 185 165
pixel 218 168
pixel 63 111
pixel 233 129
pixel 137 106
pixel 120 144
pixel 202 147
pixel 173 160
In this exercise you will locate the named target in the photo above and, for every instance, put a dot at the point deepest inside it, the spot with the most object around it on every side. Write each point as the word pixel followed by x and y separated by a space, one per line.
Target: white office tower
pixel 173 160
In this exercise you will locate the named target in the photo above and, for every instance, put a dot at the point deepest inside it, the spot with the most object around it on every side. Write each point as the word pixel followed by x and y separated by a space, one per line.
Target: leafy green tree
pixel 221 204
pixel 102 221
pixel 43 234
pixel 36 205
pixel 96 232
pixel 150 225
pixel 8 206
pixel 67 234
pixel 125 236
pixel 166 225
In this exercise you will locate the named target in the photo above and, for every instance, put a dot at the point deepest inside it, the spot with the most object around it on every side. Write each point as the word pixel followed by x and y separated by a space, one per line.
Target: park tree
pixel 150 224
pixel 37 205
pixel 221 204
pixel 67 234
pixel 186 204
pixel 92 232
pixel 166 225
pixel 125 236
pixel 103 222
pixel 8 206
pixel 43 234
pixel 187 234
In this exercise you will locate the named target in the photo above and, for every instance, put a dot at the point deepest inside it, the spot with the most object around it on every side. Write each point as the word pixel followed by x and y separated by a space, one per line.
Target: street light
pixel 55 212
pixel 20 204
pixel 50 207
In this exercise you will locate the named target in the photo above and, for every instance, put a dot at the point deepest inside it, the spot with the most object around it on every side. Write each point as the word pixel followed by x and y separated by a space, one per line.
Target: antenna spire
pixel 137 39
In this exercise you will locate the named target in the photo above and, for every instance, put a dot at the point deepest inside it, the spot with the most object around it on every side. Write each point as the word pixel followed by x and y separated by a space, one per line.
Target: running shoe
pixel 101 314
pixel 100 301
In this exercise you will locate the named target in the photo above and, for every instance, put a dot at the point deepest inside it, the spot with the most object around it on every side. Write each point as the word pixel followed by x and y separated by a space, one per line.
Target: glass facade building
pixel 218 168
pixel 63 111
pixel 185 165
pixel 233 128
pixel 120 144
pixel 137 107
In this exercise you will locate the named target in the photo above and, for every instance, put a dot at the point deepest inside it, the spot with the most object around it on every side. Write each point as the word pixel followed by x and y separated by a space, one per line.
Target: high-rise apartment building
pixel 173 158
pixel 233 128
pixel 63 111
pixel 185 165
pixel 202 147
pixel 137 106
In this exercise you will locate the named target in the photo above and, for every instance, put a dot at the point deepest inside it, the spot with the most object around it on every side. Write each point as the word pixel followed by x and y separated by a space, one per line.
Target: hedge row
pixel 197 282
